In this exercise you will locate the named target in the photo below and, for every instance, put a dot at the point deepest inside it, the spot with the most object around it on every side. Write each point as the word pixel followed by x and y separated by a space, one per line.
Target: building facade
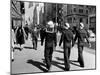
pixel 74 14
pixel 34 12
pixel 16 16
pixel 92 18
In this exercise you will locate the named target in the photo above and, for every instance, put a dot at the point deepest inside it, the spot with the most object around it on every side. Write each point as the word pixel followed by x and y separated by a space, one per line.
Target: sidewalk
pixel 32 61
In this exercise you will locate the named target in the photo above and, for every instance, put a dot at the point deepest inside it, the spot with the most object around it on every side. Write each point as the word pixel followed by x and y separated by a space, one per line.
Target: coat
pixel 50 39
pixel 67 38
pixel 20 36
pixel 81 35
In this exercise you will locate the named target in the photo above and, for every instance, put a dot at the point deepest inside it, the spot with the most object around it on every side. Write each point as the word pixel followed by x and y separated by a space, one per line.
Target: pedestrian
pixel 34 36
pixel 13 44
pixel 42 32
pixel 61 30
pixel 81 35
pixel 26 30
pixel 50 43
pixel 67 40
pixel 20 36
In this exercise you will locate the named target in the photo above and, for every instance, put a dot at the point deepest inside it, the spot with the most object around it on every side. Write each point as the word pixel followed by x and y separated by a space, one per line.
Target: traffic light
pixel 60 16
pixel 22 9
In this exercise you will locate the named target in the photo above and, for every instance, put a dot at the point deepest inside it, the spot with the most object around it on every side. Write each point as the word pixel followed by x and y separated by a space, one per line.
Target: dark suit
pixel 50 43
pixel 81 35
pixel 67 38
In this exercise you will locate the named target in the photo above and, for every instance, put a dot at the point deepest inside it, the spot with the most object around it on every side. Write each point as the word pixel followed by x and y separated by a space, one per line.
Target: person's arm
pixel 43 37
pixel 76 36
pixel 73 40
pixel 55 39
pixel 24 32
pixel 88 40
pixel 61 39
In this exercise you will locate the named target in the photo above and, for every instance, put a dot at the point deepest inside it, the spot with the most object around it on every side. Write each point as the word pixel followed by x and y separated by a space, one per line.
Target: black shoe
pixel 49 69
pixel 81 65
pixel 67 69
pixel 41 44
pixel 12 60
pixel 35 48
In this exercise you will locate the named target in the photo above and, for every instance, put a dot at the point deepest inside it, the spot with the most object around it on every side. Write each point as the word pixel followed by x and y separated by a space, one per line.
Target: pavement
pixel 32 61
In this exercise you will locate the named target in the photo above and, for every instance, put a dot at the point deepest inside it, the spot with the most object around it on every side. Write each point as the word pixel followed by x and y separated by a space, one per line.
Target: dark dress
pixel 20 36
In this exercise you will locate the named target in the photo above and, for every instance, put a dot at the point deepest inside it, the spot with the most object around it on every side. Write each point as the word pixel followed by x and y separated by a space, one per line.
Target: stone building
pixel 16 16
pixel 92 18
pixel 74 14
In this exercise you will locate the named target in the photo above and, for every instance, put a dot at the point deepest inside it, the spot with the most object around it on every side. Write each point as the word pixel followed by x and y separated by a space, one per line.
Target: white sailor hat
pixel 51 24
pixel 67 25
pixel 81 24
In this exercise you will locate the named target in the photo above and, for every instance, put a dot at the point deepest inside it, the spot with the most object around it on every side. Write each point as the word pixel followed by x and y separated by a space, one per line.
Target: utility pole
pixel 22 9
pixel 56 13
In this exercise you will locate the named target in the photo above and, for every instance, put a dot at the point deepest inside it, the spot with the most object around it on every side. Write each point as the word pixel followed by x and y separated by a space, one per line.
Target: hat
pixel 67 25
pixel 81 24
pixel 51 24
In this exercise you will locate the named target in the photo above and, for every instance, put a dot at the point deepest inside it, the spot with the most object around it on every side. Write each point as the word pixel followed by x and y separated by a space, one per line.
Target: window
pixel 81 20
pixel 86 11
pixel 74 9
pixel 70 20
pixel 70 11
pixel 74 19
pixel 80 10
pixel 86 21
pixel 93 19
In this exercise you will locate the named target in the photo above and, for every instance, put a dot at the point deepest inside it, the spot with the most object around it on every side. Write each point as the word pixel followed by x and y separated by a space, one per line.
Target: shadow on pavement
pixel 57 64
pixel 61 59
pixel 38 65
pixel 73 62
pixel 28 47
pixel 59 51
pixel 18 48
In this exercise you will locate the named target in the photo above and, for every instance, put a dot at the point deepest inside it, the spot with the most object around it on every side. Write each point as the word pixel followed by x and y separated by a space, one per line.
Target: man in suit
pixel 67 39
pixel 26 30
pixel 81 35
pixel 50 43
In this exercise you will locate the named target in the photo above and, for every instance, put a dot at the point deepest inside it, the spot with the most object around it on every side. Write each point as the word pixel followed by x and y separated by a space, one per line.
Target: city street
pixel 32 61
pixel 28 17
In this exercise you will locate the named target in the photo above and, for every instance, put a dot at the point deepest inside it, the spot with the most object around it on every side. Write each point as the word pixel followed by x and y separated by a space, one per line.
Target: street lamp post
pixel 56 13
